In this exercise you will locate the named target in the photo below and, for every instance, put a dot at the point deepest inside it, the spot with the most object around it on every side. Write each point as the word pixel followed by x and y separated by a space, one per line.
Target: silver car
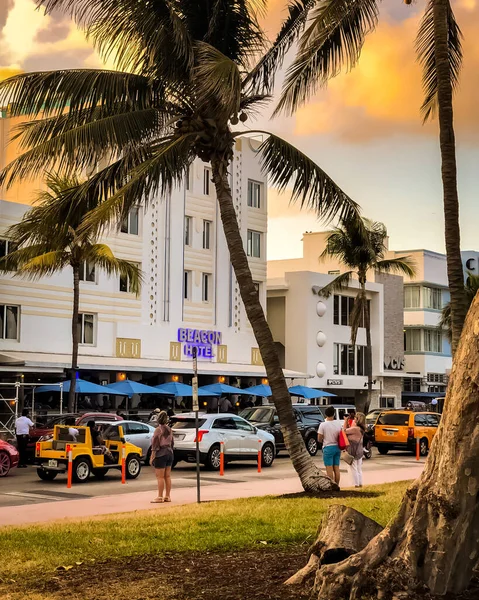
pixel 139 434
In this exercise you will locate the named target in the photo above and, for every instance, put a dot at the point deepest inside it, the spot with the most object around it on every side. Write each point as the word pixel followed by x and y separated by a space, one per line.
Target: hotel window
pixel 432 298
pixel 205 287
pixel 432 340
pixel 207 235
pixel 360 360
pixel 188 230
pixel 386 402
pixel 187 285
pixel 254 194
pixel 86 328
pixel 342 309
pixel 412 340
pixel 253 245
pixel 347 361
pixel 411 384
pixel 336 359
pixel 9 322
pixel 206 181
pixel 87 272
pixel 6 247
pixel 130 222
pixel 188 177
pixel 412 296
pixel 125 283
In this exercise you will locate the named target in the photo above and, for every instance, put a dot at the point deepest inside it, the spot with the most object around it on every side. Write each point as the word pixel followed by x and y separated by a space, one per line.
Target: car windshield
pixel 393 419
pixel 258 415
pixel 52 422
pixel 186 423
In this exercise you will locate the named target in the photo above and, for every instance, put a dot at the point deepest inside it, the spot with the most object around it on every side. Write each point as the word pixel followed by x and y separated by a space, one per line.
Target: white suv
pixel 241 439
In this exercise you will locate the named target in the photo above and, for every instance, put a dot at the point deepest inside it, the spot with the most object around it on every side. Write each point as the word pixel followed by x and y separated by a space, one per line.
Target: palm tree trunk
pixel 311 478
pixel 369 353
pixel 75 340
pixel 449 171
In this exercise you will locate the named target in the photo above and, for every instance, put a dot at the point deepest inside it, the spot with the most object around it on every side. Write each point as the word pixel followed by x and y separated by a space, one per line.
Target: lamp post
pixel 196 408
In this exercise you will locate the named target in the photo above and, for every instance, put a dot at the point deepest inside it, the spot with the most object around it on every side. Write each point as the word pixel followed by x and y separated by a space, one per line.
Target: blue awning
pixel 424 394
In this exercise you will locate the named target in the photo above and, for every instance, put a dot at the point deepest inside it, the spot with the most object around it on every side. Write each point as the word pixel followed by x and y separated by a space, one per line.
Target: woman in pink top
pixel 162 457
pixel 355 448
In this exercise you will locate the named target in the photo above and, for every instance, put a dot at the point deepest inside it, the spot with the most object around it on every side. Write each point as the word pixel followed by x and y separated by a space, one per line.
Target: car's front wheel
pixel 5 464
pixel 46 475
pixel 267 455
pixel 133 466
pixel 213 459
pixel 81 470
pixel 312 445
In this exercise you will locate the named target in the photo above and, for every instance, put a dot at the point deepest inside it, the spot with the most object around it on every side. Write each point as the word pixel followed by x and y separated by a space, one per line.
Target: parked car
pixel 51 456
pixel 340 409
pixel 308 418
pixel 240 439
pixel 398 430
pixel 8 458
pixel 139 434
pixel 373 415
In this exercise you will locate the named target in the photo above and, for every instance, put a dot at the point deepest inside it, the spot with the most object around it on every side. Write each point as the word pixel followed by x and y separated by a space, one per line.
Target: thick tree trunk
pixel 369 354
pixel 311 477
pixel 455 273
pixel 75 340
pixel 433 541
pixel 343 532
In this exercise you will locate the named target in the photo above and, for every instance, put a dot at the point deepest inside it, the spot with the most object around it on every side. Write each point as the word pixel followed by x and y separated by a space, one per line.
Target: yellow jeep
pixel 52 458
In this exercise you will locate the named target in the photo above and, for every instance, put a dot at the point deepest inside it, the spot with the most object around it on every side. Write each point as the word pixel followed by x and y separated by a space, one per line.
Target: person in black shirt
pixel 97 441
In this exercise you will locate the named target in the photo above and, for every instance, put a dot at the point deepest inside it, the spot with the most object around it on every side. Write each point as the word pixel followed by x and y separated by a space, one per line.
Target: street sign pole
pixel 196 408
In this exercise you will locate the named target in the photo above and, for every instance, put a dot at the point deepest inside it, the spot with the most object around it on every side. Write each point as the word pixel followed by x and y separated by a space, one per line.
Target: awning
pixel 39 361
pixel 423 394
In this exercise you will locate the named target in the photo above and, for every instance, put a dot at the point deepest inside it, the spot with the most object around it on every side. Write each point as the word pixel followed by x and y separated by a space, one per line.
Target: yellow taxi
pixel 52 458
pixel 399 429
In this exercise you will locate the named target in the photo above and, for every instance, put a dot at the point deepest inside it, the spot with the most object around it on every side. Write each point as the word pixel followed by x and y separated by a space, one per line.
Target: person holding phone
pixel 355 435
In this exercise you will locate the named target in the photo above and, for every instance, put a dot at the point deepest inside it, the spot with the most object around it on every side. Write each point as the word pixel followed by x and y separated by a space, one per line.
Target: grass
pixel 27 552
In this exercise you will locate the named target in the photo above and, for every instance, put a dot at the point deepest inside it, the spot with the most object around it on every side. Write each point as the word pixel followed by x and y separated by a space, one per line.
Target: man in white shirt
pixel 72 432
pixel 22 426
pixel 328 436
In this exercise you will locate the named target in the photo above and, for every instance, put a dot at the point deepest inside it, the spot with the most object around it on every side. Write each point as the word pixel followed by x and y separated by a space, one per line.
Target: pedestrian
pixel 72 431
pixel 22 428
pixel 355 435
pixel 98 442
pixel 225 405
pixel 153 418
pixel 162 457
pixel 328 436
pixel 351 415
pixel 119 413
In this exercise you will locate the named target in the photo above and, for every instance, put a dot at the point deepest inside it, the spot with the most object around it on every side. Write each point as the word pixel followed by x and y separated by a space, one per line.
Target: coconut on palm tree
pixel 48 240
pixel 359 244
pixel 184 81
pixel 333 40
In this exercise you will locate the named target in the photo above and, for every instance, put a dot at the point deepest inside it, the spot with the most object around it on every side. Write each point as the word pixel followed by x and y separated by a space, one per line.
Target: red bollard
pixel 123 464
pixel 222 458
pixel 70 466
pixel 259 456
pixel 417 449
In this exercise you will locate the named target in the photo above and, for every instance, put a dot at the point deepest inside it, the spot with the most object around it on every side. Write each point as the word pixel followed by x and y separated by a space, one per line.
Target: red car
pixel 42 430
pixel 8 458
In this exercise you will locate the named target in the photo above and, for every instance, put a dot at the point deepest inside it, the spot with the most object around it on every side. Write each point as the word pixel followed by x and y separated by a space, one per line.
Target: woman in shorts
pixel 162 457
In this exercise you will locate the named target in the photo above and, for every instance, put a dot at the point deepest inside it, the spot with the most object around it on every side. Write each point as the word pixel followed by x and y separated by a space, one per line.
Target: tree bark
pixel 455 273
pixel 343 532
pixel 369 353
pixel 311 477
pixel 75 340
pixel 433 541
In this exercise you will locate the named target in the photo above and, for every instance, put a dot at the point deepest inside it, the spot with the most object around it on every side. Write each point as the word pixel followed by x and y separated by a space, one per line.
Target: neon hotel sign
pixel 201 339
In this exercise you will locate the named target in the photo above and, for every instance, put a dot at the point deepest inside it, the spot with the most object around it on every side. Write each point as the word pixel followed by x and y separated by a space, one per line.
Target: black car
pixel 308 418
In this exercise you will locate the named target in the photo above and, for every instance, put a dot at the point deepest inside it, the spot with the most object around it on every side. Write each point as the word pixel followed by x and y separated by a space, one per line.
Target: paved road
pixel 24 487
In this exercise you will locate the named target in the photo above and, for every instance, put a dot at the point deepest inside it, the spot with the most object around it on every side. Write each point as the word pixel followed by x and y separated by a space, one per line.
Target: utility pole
pixel 196 408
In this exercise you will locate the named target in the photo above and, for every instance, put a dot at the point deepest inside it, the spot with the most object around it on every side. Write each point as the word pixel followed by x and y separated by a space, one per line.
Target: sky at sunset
pixel 365 130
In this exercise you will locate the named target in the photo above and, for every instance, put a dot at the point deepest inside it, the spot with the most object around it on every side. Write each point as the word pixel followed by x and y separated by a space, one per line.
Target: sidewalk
pixel 140 501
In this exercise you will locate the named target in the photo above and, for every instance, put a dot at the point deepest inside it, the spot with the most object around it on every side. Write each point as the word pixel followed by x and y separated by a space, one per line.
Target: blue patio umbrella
pixel 82 387
pixel 174 388
pixel 128 388
pixel 259 390
pixel 307 392
pixel 216 389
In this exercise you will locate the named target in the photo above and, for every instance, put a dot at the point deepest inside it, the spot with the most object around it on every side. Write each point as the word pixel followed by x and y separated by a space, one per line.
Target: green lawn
pixel 236 524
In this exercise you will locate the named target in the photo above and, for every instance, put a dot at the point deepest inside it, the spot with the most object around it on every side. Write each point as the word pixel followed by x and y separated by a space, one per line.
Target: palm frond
pixel 166 166
pixel 217 80
pixel 75 90
pixel 332 41
pixel 102 256
pixel 445 322
pixel 339 283
pixel 43 265
pixel 261 78
pixel 311 186
pixel 426 53
pixel 403 265
pixel 358 313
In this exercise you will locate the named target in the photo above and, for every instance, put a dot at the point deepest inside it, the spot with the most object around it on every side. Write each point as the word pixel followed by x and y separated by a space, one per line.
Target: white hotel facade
pixel 189 294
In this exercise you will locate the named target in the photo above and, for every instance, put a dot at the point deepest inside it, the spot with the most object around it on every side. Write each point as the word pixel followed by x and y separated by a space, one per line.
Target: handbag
pixel 343 441
pixel 348 459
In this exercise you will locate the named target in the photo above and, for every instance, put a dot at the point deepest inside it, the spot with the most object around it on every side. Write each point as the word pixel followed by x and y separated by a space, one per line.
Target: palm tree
pixel 360 246
pixel 185 78
pixel 47 240
pixel 333 40
pixel 471 288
